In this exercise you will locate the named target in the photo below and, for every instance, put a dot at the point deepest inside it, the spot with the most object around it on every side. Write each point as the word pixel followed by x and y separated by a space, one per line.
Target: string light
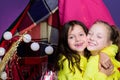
pixel 2 51
pixel 7 35
pixel 4 75
pixel 35 46
pixel 27 38
pixel 49 50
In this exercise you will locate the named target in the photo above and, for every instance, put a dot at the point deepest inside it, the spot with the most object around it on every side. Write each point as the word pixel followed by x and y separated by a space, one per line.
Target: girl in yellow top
pixel 72 53
pixel 101 40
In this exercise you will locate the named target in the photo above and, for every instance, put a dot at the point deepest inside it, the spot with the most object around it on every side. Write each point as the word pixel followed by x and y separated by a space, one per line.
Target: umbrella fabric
pixel 86 11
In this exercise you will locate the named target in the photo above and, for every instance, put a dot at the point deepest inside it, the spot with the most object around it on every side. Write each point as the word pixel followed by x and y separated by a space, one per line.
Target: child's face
pixel 98 37
pixel 77 39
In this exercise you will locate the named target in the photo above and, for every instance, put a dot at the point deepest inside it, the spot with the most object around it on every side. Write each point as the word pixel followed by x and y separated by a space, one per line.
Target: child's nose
pixel 77 39
pixel 92 38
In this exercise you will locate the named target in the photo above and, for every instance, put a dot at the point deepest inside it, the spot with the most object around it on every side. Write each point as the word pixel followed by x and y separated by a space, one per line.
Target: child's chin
pixel 80 50
pixel 90 48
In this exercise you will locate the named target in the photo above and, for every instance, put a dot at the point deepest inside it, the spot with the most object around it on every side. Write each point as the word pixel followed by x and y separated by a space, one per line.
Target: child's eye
pixel 70 37
pixel 99 37
pixel 81 34
pixel 89 33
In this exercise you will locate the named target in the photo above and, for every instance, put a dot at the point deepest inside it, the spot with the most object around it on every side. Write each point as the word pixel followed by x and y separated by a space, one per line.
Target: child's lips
pixel 78 45
pixel 91 44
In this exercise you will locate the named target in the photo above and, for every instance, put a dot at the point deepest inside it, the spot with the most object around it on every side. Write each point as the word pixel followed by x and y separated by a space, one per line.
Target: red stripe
pixel 21 18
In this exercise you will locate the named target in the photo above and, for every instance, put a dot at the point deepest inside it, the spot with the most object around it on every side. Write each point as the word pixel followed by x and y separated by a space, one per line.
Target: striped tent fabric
pixel 10 10
pixel 39 11
pixel 35 12
pixel 34 20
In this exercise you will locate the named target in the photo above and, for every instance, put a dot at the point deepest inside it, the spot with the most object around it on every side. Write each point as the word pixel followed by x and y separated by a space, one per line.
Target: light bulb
pixel 49 50
pixel 2 51
pixel 7 35
pixel 4 75
pixel 35 46
pixel 27 38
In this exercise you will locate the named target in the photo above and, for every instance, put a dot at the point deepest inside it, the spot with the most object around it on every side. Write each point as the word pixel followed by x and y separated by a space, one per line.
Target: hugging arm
pixel 105 64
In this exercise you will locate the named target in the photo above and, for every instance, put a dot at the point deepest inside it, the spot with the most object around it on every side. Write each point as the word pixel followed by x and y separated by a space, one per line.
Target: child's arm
pixel 104 72
pixel 105 56
pixel 105 61
pixel 107 67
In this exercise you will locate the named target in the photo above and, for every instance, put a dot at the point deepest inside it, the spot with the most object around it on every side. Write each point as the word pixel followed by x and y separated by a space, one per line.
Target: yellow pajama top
pixel 66 74
pixel 92 71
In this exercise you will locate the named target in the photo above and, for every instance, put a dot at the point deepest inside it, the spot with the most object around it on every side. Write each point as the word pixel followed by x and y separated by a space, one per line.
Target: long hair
pixel 115 37
pixel 64 49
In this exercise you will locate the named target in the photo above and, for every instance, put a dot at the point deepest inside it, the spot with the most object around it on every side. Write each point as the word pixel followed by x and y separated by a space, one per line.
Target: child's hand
pixel 105 61
pixel 105 64
pixel 107 71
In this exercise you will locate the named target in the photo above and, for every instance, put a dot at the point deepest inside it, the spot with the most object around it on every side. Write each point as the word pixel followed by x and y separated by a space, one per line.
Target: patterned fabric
pixel 44 32
pixel 33 20
pixel 39 11
pixel 49 75
pixel 35 12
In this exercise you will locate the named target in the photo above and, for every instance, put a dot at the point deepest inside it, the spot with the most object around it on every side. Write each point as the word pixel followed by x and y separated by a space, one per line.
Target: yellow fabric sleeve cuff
pixel 111 50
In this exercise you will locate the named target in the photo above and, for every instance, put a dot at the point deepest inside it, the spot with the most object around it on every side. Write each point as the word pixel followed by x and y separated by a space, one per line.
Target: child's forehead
pixel 100 26
pixel 76 28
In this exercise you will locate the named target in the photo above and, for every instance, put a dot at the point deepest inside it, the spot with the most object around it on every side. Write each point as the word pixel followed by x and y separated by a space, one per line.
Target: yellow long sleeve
pixel 66 74
pixel 92 71
pixel 110 50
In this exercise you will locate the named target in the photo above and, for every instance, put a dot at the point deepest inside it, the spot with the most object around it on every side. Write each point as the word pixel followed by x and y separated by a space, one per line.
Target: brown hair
pixel 64 49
